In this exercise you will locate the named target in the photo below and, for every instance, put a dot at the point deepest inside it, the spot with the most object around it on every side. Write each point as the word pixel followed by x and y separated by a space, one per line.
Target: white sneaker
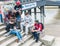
pixel 6 35
pixel 25 36
pixel 21 41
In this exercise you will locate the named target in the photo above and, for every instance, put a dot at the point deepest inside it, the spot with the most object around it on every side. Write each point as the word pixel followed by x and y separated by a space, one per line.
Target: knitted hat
pixel 18 3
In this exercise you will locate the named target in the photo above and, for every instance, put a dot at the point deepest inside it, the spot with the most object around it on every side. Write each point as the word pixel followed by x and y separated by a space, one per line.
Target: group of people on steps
pixel 15 24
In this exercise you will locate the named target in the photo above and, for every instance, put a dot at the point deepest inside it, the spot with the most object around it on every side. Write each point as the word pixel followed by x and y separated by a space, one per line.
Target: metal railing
pixel 27 1
pixel 52 0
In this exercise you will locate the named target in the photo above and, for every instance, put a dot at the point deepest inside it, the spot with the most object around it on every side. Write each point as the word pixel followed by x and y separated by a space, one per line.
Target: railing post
pixel 42 14
pixel 29 11
pixel 59 7
pixel 35 13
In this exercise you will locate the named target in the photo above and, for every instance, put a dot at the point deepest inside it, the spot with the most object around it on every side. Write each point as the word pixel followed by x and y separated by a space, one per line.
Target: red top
pixel 38 26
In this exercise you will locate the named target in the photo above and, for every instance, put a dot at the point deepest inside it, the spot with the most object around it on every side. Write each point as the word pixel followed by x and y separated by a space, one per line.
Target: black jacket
pixel 10 26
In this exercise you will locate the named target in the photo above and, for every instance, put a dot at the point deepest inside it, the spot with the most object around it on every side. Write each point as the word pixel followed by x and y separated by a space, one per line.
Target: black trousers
pixel 36 36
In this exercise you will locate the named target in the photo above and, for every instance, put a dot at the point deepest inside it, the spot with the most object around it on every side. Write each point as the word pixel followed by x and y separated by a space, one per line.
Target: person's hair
pixel 9 12
pixel 37 21
pixel 26 13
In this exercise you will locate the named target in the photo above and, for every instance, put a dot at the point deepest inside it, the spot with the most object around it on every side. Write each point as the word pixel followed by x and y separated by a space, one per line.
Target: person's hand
pixel 35 30
pixel 15 11
pixel 20 9
pixel 32 30
pixel 11 29
pixel 26 23
pixel 14 27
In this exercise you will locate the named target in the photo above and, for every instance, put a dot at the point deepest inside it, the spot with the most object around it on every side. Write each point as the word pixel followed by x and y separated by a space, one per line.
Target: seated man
pixel 27 23
pixel 12 30
pixel 37 28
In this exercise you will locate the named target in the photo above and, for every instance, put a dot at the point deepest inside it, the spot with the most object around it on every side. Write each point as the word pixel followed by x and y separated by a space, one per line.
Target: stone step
pixel 2 27
pixel 1 24
pixel 48 40
pixel 37 44
pixel 26 39
pixel 2 32
pixel 19 44
pixel 29 42
pixel 5 43
pixel 3 38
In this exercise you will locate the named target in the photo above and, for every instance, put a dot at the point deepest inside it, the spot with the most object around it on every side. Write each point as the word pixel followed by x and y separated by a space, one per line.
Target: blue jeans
pixel 1 20
pixel 17 33
pixel 36 36
pixel 18 19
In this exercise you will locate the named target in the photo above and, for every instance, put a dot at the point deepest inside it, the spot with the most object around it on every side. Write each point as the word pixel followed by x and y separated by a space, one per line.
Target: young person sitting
pixel 27 23
pixel 12 30
pixel 37 28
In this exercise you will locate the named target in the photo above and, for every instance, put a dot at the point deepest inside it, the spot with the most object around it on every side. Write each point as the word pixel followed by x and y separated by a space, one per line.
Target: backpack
pixel 42 26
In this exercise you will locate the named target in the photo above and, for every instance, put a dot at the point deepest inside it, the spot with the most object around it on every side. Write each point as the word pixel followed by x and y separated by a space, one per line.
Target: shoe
pixel 21 41
pixel 36 41
pixel 25 36
pixel 33 38
pixel 17 40
pixel 6 35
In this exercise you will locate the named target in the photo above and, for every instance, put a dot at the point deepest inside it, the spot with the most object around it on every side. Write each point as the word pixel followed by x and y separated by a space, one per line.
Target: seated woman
pixel 12 30
pixel 37 28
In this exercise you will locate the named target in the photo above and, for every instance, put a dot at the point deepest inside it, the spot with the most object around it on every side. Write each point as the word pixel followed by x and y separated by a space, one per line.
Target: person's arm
pixel 20 9
pixel 7 28
pixel 14 9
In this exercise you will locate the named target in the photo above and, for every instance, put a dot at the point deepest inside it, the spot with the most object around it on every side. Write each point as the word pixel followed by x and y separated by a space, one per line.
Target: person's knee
pixel 27 27
pixel 16 32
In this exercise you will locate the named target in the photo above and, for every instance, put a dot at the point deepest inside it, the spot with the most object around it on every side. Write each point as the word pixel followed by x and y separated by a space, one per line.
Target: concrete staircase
pixel 28 41
pixel 11 39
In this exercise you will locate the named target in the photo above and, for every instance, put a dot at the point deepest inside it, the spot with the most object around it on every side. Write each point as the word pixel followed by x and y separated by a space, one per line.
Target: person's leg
pixel 26 29
pixel 21 25
pixel 18 22
pixel 18 35
pixel 33 33
pixel 37 36
pixel 7 34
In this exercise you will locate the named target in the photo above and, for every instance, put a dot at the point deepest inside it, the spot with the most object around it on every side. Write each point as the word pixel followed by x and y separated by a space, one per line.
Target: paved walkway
pixel 54 30
pixel 57 42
